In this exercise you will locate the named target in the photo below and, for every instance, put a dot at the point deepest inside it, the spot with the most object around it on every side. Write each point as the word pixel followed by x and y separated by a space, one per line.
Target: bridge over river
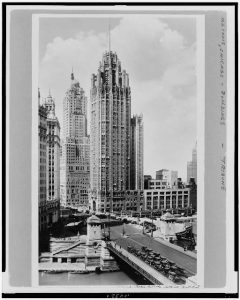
pixel 118 246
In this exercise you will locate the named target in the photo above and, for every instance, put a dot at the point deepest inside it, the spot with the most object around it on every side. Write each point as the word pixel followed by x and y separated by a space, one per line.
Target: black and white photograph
pixel 117 111
pixel 125 182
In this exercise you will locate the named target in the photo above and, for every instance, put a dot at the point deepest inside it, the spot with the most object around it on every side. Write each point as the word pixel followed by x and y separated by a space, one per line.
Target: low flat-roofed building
pixel 158 199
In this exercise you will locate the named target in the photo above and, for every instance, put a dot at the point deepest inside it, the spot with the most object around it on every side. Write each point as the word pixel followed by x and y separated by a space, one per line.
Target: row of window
pixel 168 192
pixel 167 197
pixel 167 205
pixel 76 191
pixel 158 183
pixel 79 168
pixel 42 146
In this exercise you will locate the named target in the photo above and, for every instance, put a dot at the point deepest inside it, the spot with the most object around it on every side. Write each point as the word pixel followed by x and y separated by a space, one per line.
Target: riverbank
pixel 66 267
pixel 91 279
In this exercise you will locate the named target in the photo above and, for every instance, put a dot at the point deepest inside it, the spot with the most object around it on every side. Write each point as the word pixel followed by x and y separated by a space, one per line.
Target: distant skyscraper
pixel 136 179
pixel 110 134
pixel 192 166
pixel 52 161
pixel 75 160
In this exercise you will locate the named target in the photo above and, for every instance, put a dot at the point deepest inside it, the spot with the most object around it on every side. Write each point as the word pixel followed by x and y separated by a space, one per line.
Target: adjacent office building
pixel 110 134
pixel 49 163
pixel 193 193
pixel 52 161
pixel 134 201
pixel 192 166
pixel 136 159
pixel 75 149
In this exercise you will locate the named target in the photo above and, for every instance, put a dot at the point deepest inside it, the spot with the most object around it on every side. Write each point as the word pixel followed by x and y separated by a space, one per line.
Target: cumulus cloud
pixel 162 68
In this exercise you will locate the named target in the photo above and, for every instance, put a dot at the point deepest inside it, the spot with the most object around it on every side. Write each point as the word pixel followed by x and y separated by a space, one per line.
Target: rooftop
pixel 93 220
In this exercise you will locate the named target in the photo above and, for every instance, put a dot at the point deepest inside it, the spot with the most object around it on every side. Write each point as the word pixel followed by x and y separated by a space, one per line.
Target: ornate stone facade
pixel 110 133
pixel 42 145
pixel 53 162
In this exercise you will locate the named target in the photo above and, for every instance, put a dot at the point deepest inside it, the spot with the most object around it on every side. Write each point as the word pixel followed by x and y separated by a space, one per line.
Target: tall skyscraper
pixel 192 166
pixel 42 145
pixel 75 159
pixel 52 161
pixel 110 134
pixel 136 159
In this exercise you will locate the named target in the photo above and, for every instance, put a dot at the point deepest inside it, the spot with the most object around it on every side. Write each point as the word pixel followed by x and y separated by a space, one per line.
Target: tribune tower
pixel 110 135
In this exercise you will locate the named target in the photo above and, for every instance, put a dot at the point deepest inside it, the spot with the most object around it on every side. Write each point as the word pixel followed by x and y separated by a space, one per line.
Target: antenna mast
pixel 72 75
pixel 109 35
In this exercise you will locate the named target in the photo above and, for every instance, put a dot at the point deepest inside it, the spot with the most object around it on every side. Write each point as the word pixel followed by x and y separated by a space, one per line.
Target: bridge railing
pixel 138 267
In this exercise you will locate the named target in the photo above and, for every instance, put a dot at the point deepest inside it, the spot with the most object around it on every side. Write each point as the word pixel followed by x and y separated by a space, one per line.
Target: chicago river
pixel 126 235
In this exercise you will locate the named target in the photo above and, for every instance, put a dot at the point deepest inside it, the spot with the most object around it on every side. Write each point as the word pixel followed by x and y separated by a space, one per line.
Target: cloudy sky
pixel 160 56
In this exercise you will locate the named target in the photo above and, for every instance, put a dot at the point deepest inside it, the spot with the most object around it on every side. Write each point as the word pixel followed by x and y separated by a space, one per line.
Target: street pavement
pixel 138 239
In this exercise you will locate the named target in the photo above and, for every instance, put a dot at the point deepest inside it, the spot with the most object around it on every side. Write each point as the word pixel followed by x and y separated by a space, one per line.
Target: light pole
pixel 123 232
pixel 109 225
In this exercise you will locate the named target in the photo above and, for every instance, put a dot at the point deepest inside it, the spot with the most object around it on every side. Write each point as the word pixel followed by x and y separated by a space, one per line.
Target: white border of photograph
pixel 231 274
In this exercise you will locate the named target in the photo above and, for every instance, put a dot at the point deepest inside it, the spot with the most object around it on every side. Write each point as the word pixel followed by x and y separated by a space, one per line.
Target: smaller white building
pixel 169 225
pixel 79 252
